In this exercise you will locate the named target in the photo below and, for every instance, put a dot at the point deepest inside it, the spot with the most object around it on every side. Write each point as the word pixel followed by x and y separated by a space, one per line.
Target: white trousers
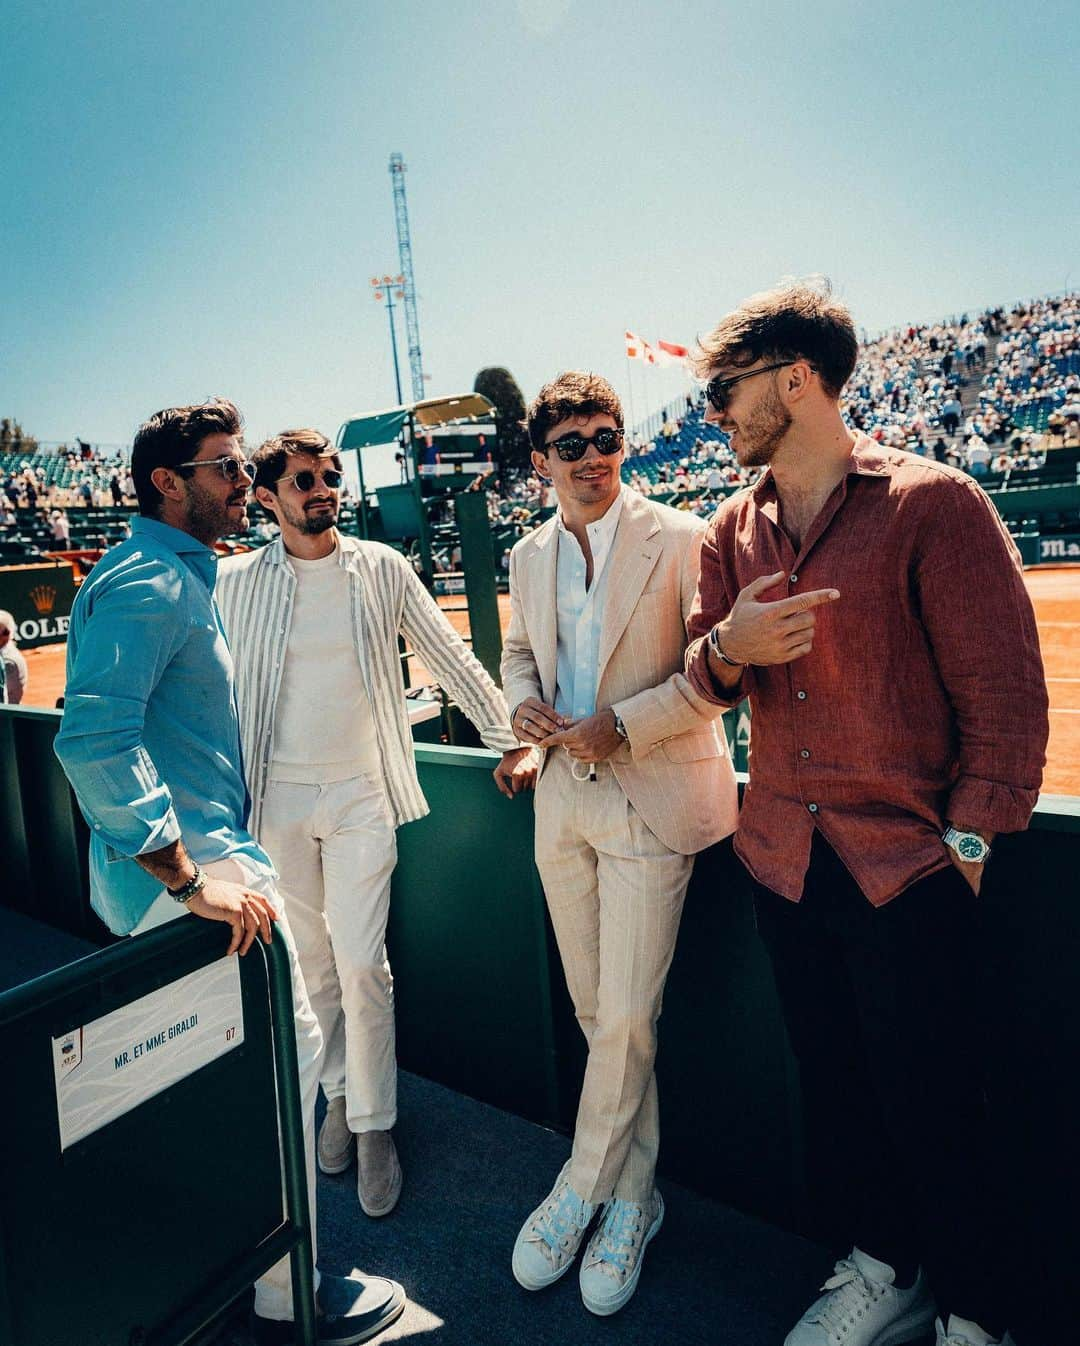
pixel 615 893
pixel 335 849
pixel 273 1292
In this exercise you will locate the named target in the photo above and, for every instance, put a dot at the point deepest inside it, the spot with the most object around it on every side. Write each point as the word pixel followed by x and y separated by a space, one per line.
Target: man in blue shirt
pixel 150 742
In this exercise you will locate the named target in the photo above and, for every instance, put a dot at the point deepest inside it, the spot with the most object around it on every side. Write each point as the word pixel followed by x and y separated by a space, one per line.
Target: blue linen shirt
pixel 150 737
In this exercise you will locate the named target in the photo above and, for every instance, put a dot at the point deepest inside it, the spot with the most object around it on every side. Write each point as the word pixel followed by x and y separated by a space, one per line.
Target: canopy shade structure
pixel 384 427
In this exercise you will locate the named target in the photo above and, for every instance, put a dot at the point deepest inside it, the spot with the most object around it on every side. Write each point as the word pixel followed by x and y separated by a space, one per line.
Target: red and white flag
pixel 634 347
pixel 670 354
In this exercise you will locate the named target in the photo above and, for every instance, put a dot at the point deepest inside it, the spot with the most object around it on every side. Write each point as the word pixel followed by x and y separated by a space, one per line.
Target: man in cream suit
pixel 636 779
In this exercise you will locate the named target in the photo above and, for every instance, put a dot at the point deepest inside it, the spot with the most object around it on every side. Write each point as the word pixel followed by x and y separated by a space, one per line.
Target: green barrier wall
pixel 482 1006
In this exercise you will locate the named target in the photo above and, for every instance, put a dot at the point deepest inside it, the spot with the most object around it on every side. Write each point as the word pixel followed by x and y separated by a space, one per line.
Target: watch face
pixel 969 848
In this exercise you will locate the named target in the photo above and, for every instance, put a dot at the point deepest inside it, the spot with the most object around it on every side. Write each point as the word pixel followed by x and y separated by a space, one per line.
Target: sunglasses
pixel 232 469
pixel 572 447
pixel 718 391
pixel 306 479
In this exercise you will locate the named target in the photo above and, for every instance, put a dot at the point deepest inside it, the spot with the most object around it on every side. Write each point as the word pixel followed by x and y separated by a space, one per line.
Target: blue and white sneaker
pixel 612 1263
pixel 549 1239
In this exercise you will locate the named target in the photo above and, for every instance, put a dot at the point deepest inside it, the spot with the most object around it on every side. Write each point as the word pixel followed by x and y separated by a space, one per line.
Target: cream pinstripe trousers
pixel 615 894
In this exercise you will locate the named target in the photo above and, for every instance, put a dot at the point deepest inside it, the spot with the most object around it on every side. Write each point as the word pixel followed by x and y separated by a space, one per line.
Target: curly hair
pixel 575 393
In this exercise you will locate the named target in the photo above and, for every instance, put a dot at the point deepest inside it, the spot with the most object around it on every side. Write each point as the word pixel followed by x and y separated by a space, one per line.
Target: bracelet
pixel 186 891
pixel 714 645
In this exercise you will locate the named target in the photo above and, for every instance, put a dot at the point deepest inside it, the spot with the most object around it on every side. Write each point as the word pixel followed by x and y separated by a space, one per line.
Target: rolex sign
pixel 39 597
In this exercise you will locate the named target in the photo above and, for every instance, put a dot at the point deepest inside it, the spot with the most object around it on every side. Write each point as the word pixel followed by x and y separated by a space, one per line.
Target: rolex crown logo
pixel 43 597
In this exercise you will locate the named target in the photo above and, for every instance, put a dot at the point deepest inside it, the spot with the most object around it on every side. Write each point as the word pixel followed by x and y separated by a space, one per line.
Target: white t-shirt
pixel 324 729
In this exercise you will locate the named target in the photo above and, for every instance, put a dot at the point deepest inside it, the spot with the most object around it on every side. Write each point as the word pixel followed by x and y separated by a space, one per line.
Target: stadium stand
pixel 997 394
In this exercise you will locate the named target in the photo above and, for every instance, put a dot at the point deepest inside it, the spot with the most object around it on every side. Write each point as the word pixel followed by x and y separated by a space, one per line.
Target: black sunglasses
pixel 231 468
pixel 572 447
pixel 305 479
pixel 718 390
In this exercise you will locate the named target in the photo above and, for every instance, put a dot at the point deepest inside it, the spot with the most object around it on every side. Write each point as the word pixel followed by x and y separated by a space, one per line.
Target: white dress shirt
pixel 581 612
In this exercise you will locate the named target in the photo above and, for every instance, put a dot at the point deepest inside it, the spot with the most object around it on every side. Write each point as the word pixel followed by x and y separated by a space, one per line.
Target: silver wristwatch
pixel 620 728
pixel 969 846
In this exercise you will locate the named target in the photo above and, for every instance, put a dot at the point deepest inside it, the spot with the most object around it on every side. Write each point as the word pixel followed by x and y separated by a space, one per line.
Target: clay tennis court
pixel 1055 592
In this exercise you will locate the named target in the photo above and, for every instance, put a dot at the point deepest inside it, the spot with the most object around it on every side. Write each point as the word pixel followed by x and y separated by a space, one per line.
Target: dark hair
pixel 575 393
pixel 271 455
pixel 796 320
pixel 174 436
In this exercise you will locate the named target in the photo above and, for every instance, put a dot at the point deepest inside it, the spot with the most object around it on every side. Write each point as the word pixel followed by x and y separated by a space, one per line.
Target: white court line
pixel 1055 710
pixel 1063 679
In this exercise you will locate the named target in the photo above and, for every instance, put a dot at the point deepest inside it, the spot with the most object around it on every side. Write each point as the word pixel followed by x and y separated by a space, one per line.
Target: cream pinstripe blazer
pixel 675 769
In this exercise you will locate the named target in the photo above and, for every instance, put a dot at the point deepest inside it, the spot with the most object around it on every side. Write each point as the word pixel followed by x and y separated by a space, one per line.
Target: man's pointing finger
pixel 804 602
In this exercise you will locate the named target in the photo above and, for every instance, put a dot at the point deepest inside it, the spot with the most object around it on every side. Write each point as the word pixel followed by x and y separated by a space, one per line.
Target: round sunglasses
pixel 572 447
pixel 232 469
pixel 306 479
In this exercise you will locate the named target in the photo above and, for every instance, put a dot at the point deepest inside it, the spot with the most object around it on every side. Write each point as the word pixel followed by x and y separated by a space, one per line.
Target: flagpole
pixel 630 392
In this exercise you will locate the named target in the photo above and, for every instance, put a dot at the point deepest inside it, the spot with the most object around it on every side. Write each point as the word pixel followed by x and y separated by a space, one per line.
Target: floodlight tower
pixel 412 324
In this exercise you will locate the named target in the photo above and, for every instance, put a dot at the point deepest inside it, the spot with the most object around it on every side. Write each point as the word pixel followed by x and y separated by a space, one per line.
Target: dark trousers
pixel 882 1007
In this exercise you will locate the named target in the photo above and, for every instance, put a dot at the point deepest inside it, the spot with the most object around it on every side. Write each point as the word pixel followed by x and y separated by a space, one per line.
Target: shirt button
pixel 804 752
pixel 97 827
pixel 812 808
pixel 793 579
pixel 801 696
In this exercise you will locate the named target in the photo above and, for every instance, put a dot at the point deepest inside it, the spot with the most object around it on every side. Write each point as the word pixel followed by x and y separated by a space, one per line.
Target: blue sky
pixel 197 194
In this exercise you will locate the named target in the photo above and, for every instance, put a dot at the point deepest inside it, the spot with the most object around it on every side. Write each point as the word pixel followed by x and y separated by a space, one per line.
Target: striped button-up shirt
pixel 256 591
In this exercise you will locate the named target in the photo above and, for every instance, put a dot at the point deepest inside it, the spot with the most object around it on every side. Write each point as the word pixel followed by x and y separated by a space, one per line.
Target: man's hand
pixel 535 719
pixel 770 633
pixel 593 739
pixel 516 771
pixel 248 913
pixel 971 871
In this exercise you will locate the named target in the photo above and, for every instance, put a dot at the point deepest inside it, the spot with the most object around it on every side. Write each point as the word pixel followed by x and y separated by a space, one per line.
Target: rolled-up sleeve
pixel 980 622
pixel 122 650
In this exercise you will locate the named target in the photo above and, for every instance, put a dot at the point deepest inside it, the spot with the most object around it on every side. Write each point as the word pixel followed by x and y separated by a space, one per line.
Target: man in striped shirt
pixel 313 620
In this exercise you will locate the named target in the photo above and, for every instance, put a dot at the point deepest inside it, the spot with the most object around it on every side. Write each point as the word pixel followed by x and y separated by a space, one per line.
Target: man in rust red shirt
pixel 872 607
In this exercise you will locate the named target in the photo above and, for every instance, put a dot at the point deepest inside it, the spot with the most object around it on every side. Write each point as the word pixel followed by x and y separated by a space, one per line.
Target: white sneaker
pixel 862 1307
pixel 962 1333
pixel 612 1263
pixel 549 1239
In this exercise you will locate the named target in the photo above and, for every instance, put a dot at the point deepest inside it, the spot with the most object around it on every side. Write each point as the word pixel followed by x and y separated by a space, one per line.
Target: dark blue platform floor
pixel 712 1277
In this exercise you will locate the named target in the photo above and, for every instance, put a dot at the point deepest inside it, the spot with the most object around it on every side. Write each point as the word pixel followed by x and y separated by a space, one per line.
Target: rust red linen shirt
pixel 923 699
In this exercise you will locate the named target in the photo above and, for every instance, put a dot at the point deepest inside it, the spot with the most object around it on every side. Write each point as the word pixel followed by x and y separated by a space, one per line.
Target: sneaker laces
pixel 561 1217
pixel 614 1246
pixel 851 1297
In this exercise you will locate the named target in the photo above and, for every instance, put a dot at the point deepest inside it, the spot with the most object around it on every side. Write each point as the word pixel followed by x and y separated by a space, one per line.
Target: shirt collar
pixel 203 559
pixel 868 459
pixel 173 538
pixel 602 529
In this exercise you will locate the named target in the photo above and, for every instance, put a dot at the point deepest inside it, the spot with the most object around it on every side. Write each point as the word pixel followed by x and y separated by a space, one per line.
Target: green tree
pixel 500 387
pixel 13 439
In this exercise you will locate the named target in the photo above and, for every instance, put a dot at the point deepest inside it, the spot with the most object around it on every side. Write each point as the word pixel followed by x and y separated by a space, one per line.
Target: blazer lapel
pixel 636 550
pixel 539 597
